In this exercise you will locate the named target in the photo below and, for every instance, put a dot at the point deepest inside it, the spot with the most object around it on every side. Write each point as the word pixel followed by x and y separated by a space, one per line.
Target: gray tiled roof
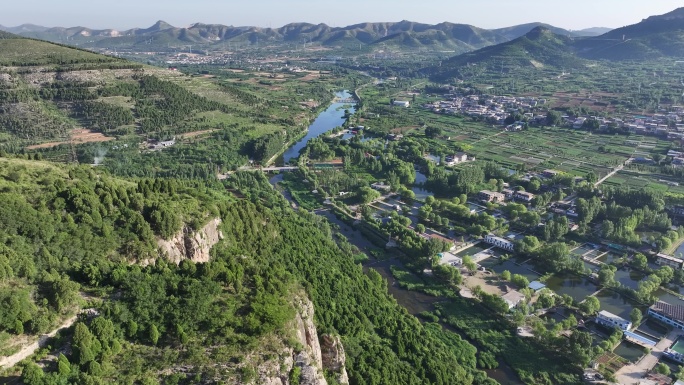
pixel 675 312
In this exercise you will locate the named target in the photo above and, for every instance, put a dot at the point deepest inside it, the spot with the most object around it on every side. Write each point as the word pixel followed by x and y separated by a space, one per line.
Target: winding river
pixel 414 302
pixel 332 117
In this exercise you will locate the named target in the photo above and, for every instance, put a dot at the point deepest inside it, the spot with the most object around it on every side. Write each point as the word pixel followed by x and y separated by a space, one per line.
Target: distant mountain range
pixel 532 44
pixel 652 38
pixel 403 35
pixel 594 31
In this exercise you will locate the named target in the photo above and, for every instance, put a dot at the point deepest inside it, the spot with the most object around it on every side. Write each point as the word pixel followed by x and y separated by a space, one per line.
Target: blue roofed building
pixel 536 286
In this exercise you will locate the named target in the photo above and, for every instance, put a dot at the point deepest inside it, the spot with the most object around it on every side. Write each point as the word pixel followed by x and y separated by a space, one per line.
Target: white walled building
pixel 672 315
pixel 668 260
pixel 499 242
pixel 613 321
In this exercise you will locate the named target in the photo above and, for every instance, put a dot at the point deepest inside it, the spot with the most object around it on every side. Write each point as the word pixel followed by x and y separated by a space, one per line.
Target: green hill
pixel 54 97
pixel 446 36
pixel 24 28
pixel 17 51
pixel 520 30
pixel 71 238
pixel 539 48
pixel 594 31
pixel 7 35
pixel 654 37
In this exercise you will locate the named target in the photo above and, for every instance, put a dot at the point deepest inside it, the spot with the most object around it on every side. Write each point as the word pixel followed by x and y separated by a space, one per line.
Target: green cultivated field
pixel 576 152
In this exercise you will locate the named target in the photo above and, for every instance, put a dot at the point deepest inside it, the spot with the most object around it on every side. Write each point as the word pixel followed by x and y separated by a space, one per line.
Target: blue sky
pixel 122 14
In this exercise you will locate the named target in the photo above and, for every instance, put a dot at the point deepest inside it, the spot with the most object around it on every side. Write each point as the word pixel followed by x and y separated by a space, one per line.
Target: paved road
pixel 631 374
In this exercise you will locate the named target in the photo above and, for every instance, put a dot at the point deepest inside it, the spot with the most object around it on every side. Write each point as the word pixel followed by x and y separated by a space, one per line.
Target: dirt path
pixel 196 133
pixel 8 362
pixel 615 171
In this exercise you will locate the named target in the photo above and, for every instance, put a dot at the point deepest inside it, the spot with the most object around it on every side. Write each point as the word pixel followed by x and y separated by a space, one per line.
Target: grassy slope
pixel 36 52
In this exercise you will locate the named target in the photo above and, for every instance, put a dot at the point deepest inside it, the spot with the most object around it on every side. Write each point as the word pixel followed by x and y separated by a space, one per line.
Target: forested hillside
pixel 70 105
pixel 72 238
pixel 537 49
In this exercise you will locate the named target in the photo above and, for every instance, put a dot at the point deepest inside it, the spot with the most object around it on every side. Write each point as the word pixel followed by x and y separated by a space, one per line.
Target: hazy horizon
pixel 126 14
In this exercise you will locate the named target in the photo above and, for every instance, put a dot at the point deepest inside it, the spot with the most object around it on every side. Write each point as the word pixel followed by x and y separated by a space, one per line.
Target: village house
pixel 162 144
pixel 401 103
pixel 578 123
pixel 490 196
pixel 456 158
pixel 675 356
pixel 668 260
pixel 380 186
pixel 524 196
pixel 672 315
pixel 513 298
pixel 612 321
pixel 508 193
pixel 536 286
pixel 499 242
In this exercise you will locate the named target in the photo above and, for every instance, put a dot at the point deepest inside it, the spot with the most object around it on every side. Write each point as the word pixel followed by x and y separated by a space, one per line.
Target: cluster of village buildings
pixel 671 314
pixel 495 109
pixel 492 108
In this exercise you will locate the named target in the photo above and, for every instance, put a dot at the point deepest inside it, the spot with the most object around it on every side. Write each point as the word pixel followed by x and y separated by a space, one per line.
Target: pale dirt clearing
pixel 38 342
pixel 78 136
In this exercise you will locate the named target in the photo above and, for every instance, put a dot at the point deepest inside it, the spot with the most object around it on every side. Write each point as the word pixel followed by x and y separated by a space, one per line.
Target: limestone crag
pixel 306 330
pixel 193 245
pixel 317 354
pixel 334 357
pixel 309 359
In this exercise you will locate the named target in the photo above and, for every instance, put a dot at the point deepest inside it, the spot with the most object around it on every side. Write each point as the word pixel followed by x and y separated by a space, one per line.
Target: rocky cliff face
pixel 318 354
pixel 314 354
pixel 193 245
pixel 334 357
pixel 309 359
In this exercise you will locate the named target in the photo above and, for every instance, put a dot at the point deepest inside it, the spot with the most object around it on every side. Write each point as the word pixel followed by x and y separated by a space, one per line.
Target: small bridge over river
pixel 344 101
pixel 264 169
pixel 271 169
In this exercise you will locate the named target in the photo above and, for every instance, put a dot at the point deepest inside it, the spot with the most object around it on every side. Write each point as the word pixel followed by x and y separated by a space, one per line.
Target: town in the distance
pixel 380 203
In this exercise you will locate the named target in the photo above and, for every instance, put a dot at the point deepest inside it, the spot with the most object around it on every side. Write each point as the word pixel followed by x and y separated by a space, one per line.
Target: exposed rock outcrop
pixel 307 334
pixel 334 357
pixel 309 359
pixel 193 245
pixel 316 354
